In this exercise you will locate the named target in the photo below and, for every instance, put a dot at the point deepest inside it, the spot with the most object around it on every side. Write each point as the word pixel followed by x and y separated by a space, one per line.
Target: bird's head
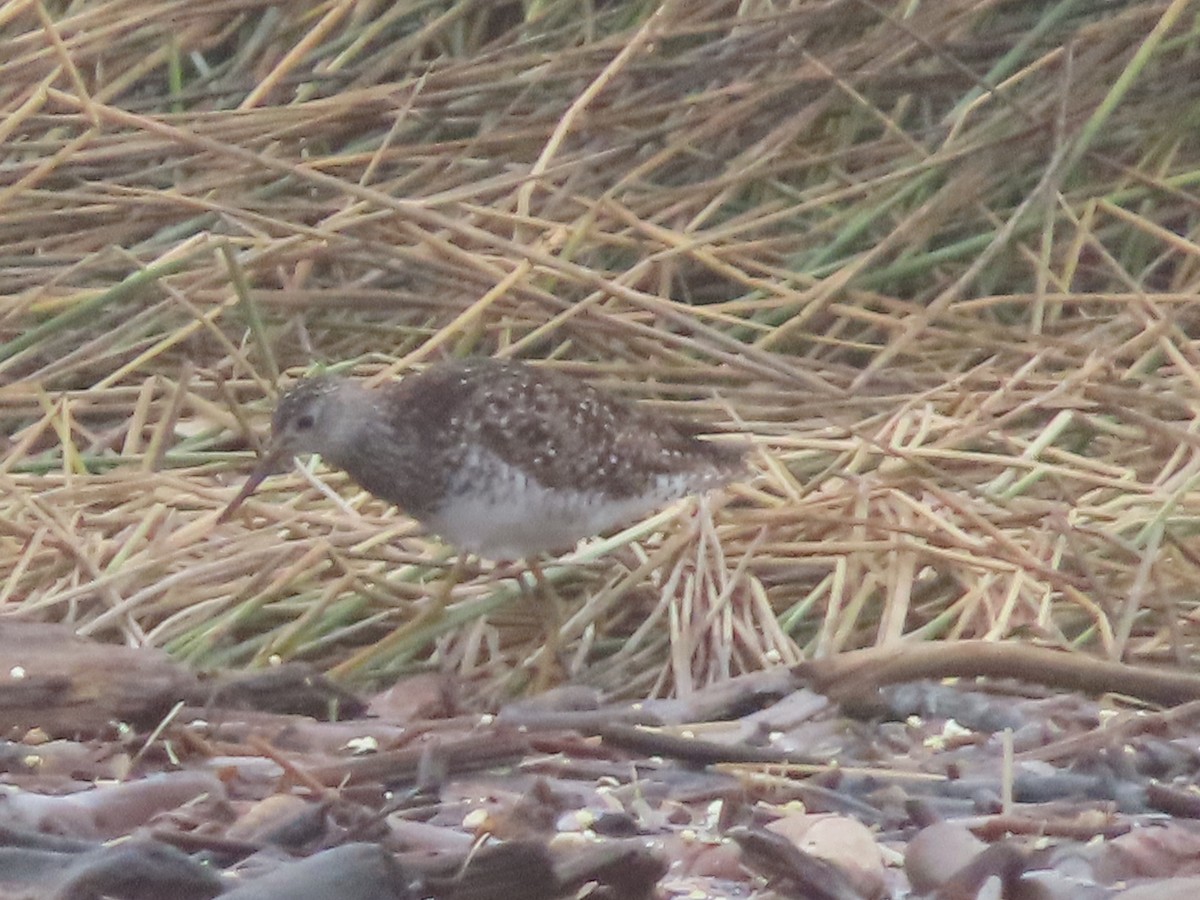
pixel 305 420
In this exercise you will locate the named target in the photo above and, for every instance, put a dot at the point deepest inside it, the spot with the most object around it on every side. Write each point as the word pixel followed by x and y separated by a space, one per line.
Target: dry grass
pixel 938 259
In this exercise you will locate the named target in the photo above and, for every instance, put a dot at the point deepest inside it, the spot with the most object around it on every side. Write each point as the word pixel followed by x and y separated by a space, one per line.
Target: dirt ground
pixel 126 776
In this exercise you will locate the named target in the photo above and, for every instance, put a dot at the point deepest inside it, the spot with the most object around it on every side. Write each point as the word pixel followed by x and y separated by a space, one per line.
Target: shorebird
pixel 499 458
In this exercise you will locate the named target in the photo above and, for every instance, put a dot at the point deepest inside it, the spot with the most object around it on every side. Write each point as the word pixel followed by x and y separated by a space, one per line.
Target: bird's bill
pixel 270 463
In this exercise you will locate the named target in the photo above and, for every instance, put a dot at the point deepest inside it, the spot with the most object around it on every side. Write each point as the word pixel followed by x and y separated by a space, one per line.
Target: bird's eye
pixel 304 422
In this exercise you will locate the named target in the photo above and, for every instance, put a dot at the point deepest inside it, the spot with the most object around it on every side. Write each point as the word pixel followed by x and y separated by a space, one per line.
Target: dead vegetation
pixel 937 259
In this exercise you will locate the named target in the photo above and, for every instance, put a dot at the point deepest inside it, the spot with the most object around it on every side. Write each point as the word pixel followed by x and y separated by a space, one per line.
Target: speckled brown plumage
pixel 499 457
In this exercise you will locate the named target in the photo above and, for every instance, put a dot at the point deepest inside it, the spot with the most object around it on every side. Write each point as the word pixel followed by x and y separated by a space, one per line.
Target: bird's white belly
pixel 497 510
pixel 531 522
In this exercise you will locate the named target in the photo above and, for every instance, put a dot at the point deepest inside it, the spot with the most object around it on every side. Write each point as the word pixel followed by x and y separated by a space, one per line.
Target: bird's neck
pixel 348 425
pixel 384 453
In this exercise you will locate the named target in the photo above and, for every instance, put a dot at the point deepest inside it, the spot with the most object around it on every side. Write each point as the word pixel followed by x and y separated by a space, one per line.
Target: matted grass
pixel 937 259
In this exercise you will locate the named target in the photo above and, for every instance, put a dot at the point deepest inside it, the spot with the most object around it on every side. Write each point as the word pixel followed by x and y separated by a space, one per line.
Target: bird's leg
pixel 445 587
pixel 439 600
pixel 548 658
